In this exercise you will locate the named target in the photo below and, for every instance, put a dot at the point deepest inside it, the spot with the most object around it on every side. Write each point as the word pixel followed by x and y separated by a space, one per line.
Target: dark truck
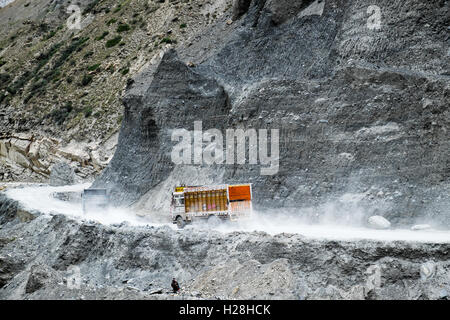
pixel 95 200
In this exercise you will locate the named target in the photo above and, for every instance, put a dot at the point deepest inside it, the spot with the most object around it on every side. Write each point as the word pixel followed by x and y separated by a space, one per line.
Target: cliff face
pixel 61 82
pixel 359 91
pixel 42 257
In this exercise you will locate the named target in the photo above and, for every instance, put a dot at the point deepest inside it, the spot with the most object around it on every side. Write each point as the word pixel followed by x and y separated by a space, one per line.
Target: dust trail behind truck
pixel 224 202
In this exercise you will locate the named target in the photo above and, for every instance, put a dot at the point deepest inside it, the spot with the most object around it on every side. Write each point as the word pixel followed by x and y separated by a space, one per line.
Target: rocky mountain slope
pixel 53 257
pixel 358 89
pixel 61 82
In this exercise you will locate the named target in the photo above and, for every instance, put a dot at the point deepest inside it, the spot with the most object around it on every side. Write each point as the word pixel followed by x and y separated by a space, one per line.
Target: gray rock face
pixel 8 269
pixel 240 7
pixel 282 10
pixel 361 107
pixel 8 209
pixel 62 174
pixel 45 257
pixel 38 277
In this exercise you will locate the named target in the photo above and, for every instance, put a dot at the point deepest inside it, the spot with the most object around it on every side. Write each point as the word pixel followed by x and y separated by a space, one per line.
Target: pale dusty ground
pixel 39 197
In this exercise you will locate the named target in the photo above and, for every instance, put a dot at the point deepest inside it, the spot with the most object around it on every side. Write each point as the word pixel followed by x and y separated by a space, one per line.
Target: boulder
pixel 378 222
pixel 8 209
pixel 61 174
pixel 41 276
pixel 36 279
pixel 419 227
pixel 24 215
pixel 9 268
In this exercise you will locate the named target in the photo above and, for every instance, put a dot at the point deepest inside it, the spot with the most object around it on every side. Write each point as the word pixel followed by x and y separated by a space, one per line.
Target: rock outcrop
pixel 359 92
pixel 61 81
pixel 378 222
pixel 25 157
pixel 62 174
pixel 54 257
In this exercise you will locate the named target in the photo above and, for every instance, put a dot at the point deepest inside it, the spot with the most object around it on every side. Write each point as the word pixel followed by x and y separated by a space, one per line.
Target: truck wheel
pixel 180 223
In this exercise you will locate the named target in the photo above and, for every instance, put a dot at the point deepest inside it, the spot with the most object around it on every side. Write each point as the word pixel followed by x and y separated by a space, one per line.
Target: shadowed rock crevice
pixel 240 7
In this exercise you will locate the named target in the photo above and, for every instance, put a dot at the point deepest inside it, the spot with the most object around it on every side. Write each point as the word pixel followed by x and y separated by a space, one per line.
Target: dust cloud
pixel 348 227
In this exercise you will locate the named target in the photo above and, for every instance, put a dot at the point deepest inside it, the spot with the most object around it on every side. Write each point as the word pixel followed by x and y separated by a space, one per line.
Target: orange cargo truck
pixel 227 202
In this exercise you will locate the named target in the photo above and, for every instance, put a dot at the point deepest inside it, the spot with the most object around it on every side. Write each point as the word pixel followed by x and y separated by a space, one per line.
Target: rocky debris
pixel 279 11
pixel 20 153
pixel 157 291
pixel 5 241
pixel 247 281
pixel 123 262
pixel 70 196
pixel 283 10
pixel 24 215
pixel 5 2
pixel 9 267
pixel 328 293
pixel 62 174
pixel 378 222
pixel 67 110
pixel 12 211
pixel 28 158
pixel 8 209
pixel 39 276
pixel 443 295
pixel 328 82
pixel 427 270
pixel 419 227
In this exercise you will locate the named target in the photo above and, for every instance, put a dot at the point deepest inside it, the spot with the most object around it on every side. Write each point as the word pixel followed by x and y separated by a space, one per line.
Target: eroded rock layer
pixel 359 91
